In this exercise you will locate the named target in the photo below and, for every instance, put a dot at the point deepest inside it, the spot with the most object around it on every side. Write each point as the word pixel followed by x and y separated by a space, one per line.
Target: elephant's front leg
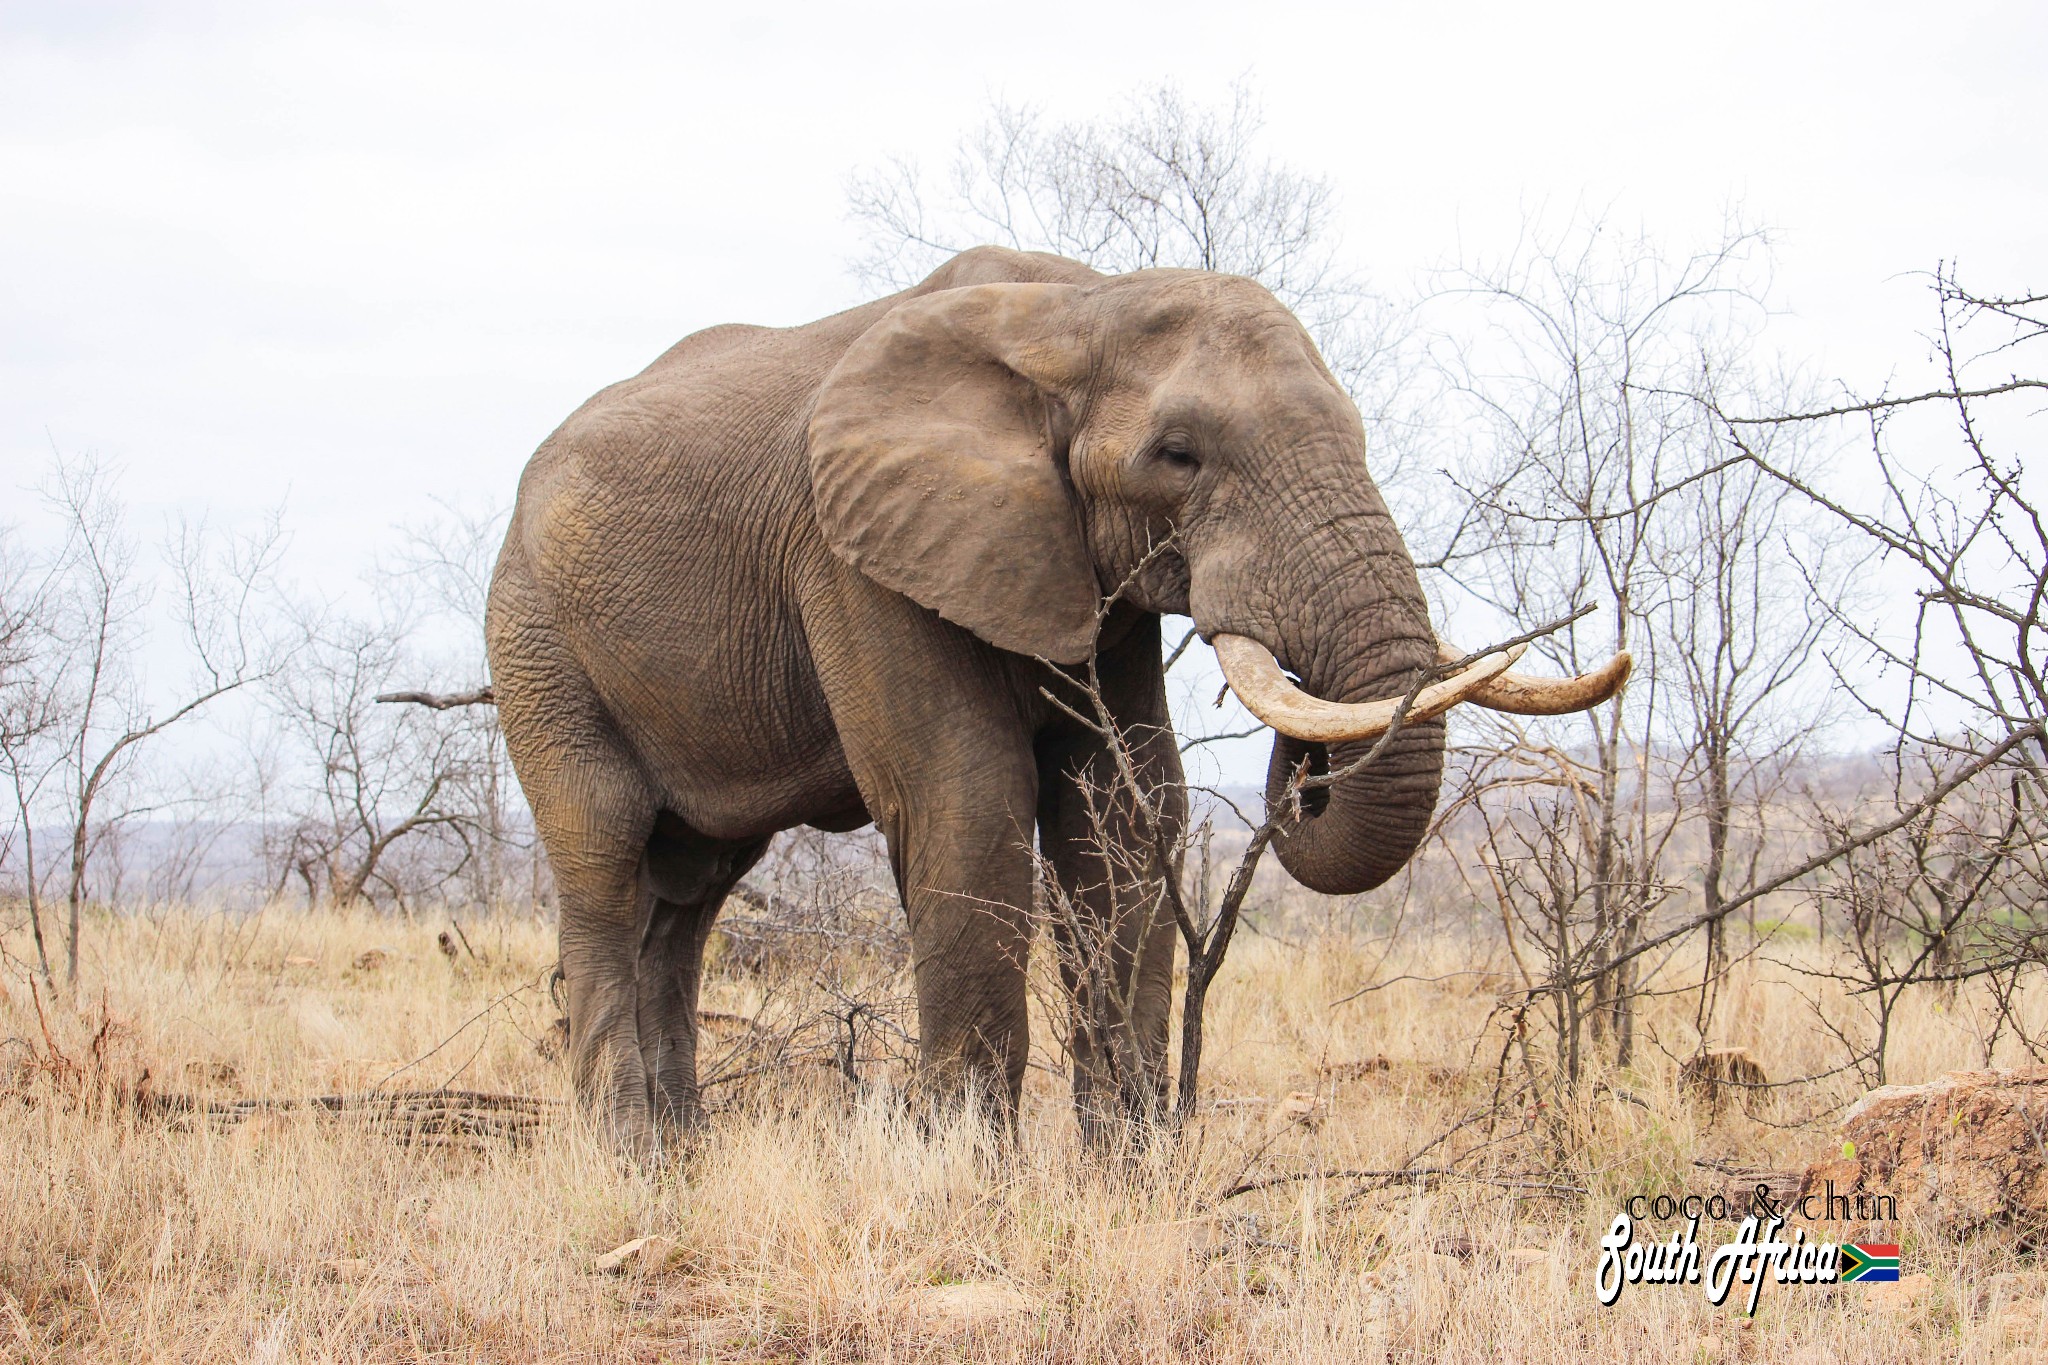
pixel 931 727
pixel 1107 842
pixel 962 858
pixel 1116 941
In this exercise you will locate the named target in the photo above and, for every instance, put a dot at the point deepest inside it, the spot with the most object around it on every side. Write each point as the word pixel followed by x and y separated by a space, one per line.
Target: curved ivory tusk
pixel 1527 696
pixel 1254 674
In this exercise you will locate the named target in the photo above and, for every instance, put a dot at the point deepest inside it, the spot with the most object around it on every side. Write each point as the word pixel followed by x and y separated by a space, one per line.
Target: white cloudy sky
pixel 363 254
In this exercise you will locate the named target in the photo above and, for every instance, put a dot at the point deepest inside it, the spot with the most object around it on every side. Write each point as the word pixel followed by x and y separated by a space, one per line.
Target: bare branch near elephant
pixel 384 805
pixel 1590 359
pixel 442 701
pixel 1208 927
pixel 1945 891
pixel 400 797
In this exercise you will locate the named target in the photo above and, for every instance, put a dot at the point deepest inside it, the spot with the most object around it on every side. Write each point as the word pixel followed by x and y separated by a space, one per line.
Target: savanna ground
pixel 813 1221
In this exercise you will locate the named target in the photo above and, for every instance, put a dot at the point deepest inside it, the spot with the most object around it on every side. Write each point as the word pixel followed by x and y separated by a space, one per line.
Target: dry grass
pixel 815 1223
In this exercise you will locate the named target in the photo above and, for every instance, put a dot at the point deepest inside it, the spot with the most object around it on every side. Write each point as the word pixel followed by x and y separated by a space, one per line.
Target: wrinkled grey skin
pixel 793 576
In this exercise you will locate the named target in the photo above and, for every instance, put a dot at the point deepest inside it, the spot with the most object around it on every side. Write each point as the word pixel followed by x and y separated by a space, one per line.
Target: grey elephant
pixel 823 575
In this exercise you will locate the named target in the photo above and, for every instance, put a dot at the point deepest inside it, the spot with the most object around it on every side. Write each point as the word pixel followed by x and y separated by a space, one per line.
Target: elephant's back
pixel 724 403
pixel 663 545
pixel 659 533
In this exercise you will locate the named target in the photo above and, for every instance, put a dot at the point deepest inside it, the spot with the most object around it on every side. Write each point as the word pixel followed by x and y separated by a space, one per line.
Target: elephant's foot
pixel 648 1130
pixel 642 1095
pixel 668 1051
pixel 943 1091
pixel 678 1107
pixel 650 1115
pixel 611 1092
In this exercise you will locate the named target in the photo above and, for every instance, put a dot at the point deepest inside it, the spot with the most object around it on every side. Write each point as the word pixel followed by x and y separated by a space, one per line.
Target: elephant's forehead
pixel 1227 354
pixel 1233 392
pixel 1225 309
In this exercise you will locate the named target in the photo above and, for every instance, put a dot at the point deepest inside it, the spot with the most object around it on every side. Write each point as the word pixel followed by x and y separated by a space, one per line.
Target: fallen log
pixel 411 1117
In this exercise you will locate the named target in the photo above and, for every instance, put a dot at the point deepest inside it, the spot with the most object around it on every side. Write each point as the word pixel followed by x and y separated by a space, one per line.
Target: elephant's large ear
pixel 934 469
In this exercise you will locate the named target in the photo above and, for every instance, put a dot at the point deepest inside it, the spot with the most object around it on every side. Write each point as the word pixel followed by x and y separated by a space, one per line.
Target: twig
pixel 442 701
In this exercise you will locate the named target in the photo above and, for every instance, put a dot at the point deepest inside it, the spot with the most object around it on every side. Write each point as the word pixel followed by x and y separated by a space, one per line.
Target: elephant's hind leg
pixel 596 847
pixel 594 812
pixel 688 877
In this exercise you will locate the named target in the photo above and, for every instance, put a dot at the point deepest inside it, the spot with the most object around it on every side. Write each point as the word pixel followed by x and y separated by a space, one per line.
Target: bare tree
pixel 1952 887
pixel 93 709
pixel 1942 880
pixel 1955 892
pixel 31 711
pixel 1751 587
pixel 449 559
pixel 366 777
pixel 398 802
pixel 1162 182
pixel 1587 357
pixel 1966 525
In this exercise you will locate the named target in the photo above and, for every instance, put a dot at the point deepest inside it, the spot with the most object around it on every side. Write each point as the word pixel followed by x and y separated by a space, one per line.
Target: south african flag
pixel 1867 1262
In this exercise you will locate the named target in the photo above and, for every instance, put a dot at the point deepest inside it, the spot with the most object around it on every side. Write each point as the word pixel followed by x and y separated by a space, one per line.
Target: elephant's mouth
pixel 1256 677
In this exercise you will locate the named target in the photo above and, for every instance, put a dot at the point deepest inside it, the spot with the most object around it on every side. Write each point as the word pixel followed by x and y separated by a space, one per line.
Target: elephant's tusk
pixel 1254 674
pixel 1527 696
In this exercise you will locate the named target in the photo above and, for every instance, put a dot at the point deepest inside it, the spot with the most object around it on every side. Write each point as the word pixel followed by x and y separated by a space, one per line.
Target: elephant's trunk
pixel 1334 598
pixel 1359 832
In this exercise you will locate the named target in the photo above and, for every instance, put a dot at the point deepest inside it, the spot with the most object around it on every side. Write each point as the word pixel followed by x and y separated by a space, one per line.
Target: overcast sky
pixel 365 254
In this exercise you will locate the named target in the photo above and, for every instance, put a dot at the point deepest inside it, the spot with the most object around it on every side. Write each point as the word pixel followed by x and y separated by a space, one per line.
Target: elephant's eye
pixel 1175 450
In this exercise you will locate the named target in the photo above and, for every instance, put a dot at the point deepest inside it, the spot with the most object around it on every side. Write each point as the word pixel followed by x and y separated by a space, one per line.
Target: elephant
pixel 824 575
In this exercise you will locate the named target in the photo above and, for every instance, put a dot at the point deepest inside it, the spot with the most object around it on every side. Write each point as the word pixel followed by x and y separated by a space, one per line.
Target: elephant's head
pixel 1007 453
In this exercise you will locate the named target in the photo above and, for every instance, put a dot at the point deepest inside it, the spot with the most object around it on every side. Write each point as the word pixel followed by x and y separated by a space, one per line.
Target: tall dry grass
pixel 817 1222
